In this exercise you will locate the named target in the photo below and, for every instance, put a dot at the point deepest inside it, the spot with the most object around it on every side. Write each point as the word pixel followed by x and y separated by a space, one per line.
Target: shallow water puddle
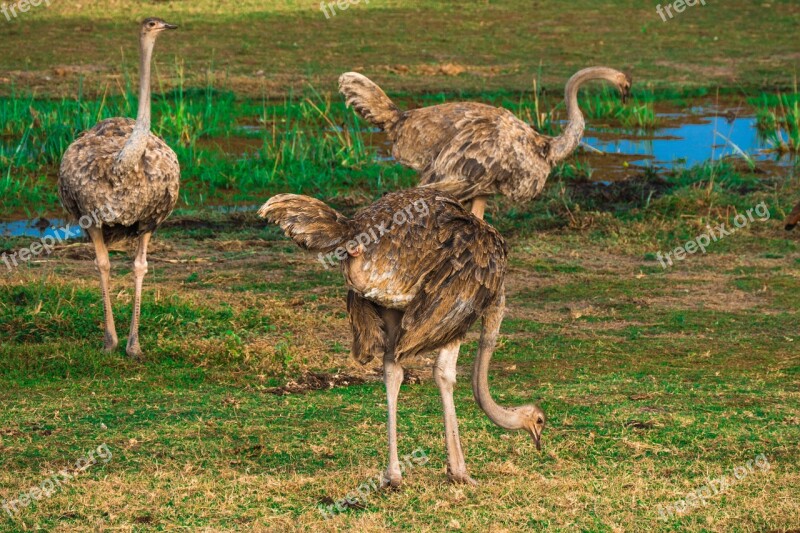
pixel 690 136
pixel 694 142
pixel 39 228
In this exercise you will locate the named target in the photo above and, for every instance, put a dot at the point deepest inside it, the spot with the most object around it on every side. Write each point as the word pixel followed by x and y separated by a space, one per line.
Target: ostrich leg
pixel 139 270
pixel 104 267
pixel 444 372
pixel 393 378
pixel 478 206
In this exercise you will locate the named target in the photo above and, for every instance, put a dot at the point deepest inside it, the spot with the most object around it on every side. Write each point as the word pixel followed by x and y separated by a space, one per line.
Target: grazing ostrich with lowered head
pixel 129 177
pixel 421 270
pixel 474 150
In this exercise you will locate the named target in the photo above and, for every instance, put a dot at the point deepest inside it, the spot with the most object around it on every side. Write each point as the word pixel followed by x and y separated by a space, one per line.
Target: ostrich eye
pixel 152 24
pixel 539 421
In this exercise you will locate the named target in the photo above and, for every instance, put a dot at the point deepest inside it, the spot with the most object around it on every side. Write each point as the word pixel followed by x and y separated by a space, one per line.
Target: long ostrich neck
pixel 505 418
pixel 134 147
pixel 570 138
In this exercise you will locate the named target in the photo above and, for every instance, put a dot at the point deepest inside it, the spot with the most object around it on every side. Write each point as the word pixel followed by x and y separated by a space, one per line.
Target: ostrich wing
pixel 457 291
pixel 491 153
pixel 310 223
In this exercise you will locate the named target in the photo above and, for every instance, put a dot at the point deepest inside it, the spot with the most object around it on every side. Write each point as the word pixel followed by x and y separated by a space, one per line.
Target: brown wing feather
pixel 307 221
pixel 369 337
pixel 467 279
pixel 368 100
pixel 491 153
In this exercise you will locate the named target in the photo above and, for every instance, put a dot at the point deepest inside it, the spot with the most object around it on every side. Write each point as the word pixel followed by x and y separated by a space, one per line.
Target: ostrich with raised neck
pixel 125 180
pixel 418 288
pixel 474 150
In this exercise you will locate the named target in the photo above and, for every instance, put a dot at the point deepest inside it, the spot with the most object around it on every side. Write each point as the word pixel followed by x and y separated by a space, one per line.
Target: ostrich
pixel 420 271
pixel 474 150
pixel 130 178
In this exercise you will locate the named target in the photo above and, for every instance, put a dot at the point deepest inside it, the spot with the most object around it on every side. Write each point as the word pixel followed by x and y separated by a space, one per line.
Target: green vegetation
pixel 779 120
pixel 652 379
pixel 240 150
pixel 638 113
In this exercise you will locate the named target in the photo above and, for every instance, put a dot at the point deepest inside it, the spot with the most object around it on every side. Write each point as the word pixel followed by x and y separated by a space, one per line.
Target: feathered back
pixel 139 199
pixel 307 221
pixel 433 260
pixel 368 100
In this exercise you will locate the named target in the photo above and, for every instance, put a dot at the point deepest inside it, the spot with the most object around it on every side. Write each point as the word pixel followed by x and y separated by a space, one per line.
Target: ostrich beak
pixel 170 26
pixel 626 93
pixel 625 89
pixel 537 438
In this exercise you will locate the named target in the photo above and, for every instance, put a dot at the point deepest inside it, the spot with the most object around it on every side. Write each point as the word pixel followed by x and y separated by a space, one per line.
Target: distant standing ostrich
pixel 417 289
pixel 130 177
pixel 474 150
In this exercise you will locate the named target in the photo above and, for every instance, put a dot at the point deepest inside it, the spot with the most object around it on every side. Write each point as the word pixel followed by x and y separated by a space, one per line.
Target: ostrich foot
pixel 391 480
pixel 461 479
pixel 135 353
pixel 133 350
pixel 110 341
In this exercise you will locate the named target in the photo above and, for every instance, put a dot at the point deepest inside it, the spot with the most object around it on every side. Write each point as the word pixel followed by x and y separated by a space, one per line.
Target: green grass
pixel 778 118
pixel 637 113
pixel 653 381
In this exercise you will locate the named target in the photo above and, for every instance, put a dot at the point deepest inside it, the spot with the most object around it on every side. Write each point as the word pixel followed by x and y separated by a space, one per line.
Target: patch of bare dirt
pixel 446 69
pixel 724 68
pixel 622 194
pixel 316 381
pixel 705 291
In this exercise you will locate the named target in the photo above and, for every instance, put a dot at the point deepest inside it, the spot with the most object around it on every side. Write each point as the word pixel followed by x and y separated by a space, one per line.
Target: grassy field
pixel 259 48
pixel 654 380
pixel 248 413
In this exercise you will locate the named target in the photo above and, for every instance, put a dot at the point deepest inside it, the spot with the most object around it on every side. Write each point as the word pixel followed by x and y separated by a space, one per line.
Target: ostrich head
pixel 624 83
pixel 151 27
pixel 532 420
